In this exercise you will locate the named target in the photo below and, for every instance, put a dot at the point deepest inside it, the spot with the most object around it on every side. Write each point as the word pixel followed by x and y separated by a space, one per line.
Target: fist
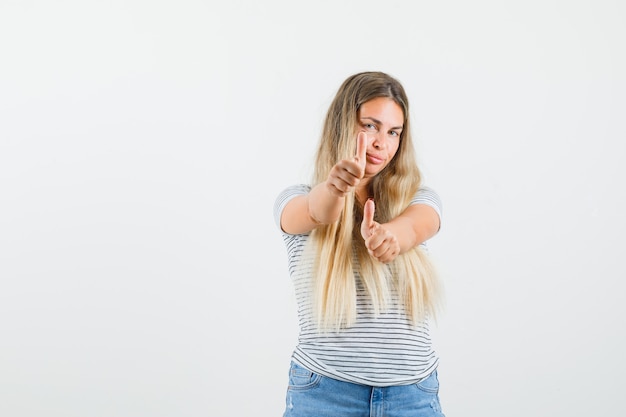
pixel 381 244
pixel 347 173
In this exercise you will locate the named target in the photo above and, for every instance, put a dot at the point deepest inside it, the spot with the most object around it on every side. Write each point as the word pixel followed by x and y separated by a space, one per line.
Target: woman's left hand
pixel 379 241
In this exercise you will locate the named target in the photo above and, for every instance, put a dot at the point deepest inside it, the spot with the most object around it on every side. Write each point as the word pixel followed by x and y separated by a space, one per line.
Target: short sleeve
pixel 429 197
pixel 285 196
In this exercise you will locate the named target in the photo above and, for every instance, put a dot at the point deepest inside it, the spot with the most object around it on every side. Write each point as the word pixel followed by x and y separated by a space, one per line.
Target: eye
pixel 369 126
pixel 394 133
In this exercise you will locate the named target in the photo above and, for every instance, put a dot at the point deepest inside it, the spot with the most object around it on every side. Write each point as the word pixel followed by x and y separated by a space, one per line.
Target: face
pixel 383 120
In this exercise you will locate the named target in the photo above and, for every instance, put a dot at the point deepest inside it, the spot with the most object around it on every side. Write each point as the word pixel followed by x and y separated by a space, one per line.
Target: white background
pixel 142 145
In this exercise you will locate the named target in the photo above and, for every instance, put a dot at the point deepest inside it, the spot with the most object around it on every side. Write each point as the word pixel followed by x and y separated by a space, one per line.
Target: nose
pixel 379 142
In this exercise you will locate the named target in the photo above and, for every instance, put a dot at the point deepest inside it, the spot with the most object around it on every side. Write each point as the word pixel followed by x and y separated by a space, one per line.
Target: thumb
pixel 361 148
pixel 368 214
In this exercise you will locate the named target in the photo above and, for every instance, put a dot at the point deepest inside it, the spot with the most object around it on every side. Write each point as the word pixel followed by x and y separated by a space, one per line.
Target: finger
pixel 388 256
pixel 379 246
pixel 382 251
pixel 361 149
pixel 368 213
pixel 376 245
pixel 349 171
pixel 378 253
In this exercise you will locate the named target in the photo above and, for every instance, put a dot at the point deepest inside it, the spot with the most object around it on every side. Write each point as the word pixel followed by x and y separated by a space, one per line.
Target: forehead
pixel 384 110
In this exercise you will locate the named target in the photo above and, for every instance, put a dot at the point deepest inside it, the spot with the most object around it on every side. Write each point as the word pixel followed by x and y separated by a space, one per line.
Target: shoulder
pixel 290 192
pixel 428 196
pixel 285 196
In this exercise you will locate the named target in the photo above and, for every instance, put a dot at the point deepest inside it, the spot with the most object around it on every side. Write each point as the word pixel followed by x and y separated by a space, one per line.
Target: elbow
pixel 323 218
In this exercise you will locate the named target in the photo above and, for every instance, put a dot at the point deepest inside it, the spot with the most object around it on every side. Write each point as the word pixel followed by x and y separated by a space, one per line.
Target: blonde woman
pixel 364 286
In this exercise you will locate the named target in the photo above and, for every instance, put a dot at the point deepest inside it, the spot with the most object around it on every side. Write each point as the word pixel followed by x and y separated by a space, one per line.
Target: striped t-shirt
pixel 377 350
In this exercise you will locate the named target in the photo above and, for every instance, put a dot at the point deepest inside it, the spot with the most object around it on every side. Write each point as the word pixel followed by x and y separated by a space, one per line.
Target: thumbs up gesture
pixel 379 241
pixel 347 173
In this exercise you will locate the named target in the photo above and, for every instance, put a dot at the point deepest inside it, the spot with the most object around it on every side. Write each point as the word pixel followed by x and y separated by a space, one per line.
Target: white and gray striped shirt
pixel 377 350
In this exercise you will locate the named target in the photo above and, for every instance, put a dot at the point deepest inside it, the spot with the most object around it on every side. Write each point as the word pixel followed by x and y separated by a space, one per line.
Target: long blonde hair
pixel 338 244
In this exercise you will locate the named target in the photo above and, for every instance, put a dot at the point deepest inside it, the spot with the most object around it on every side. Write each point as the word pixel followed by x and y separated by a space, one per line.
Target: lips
pixel 375 159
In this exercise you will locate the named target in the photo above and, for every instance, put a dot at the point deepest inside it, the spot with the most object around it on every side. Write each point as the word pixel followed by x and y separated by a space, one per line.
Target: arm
pixel 324 203
pixel 305 212
pixel 416 224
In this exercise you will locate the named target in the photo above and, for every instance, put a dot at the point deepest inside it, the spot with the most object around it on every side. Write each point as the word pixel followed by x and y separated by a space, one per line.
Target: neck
pixel 361 192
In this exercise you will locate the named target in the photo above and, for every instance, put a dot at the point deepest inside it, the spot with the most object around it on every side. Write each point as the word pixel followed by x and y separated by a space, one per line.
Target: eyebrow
pixel 379 122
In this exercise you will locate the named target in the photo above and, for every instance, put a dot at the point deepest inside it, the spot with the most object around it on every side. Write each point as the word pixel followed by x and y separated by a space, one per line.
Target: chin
pixel 374 172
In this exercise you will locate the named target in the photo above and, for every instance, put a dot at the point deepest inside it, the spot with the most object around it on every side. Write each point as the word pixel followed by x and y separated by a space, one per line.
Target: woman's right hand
pixel 347 173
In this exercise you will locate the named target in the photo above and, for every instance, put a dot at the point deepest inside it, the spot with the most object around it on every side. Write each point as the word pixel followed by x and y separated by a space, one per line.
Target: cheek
pixel 393 151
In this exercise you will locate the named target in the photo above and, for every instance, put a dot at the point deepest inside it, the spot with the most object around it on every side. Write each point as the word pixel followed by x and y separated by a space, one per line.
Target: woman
pixel 364 285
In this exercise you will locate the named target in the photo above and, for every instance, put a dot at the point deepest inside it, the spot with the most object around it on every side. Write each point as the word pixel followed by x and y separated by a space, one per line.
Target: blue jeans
pixel 313 395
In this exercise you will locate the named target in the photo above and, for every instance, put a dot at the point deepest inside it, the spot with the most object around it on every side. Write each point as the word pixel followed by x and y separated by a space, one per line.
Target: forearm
pixel 325 202
pixel 413 227
pixel 307 211
pixel 404 234
pixel 324 206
